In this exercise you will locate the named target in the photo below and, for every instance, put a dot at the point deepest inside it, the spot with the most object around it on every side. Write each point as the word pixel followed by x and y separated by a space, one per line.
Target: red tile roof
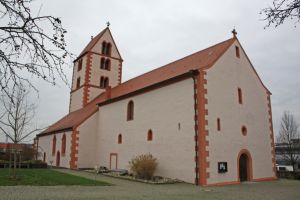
pixel 201 59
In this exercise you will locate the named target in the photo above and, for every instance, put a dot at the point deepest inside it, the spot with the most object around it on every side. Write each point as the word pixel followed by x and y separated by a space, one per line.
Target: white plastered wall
pixel 87 142
pixel 161 110
pixel 76 100
pixel 45 145
pixel 223 80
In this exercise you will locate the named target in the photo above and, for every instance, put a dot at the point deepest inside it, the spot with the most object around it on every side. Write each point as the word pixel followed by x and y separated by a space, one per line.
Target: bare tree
pixel 280 11
pixel 17 119
pixel 29 44
pixel 288 140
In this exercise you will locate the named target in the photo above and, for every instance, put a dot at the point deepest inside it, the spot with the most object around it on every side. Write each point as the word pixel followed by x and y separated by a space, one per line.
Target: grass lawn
pixel 45 177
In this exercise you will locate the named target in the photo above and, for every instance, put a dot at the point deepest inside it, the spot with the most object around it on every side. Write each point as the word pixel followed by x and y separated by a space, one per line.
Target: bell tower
pixel 97 67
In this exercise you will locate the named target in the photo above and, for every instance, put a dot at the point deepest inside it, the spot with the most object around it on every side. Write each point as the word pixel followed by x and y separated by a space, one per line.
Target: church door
pixel 243 163
pixel 113 161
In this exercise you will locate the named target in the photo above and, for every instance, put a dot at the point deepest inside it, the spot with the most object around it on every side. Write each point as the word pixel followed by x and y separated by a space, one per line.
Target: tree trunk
pixel 15 164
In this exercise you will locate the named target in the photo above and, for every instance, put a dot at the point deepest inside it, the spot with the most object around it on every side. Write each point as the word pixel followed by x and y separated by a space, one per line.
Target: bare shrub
pixel 143 166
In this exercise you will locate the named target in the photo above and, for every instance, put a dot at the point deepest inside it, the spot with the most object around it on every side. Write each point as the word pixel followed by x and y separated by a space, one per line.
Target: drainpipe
pixel 194 74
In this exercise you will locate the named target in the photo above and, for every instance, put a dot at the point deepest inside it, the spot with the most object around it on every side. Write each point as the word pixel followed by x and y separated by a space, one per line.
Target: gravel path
pixel 124 190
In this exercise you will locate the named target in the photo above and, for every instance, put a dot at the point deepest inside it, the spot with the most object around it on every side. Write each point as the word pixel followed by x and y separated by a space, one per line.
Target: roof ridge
pixel 179 59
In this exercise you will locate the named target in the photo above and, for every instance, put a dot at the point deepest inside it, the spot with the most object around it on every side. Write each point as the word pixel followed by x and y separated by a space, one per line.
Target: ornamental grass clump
pixel 143 166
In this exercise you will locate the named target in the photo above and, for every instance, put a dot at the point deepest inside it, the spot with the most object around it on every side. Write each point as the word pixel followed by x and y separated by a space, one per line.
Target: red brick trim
pixel 120 73
pixel 86 88
pixel 202 131
pixel 74 149
pixel 271 133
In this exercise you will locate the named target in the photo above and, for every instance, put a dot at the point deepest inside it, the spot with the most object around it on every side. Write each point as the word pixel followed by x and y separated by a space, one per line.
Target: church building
pixel 206 117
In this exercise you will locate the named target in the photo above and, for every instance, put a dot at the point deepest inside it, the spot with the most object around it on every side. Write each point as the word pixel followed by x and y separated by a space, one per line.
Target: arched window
pixel 102 63
pixel 79 65
pixel 63 145
pixel 78 83
pixel 107 64
pixel 120 139
pixel 150 135
pixel 101 82
pixel 130 110
pixel 240 96
pixel 244 130
pixel 106 82
pixel 218 124
pixel 108 49
pixel 104 47
pixel 44 157
pixel 53 145
pixel 237 51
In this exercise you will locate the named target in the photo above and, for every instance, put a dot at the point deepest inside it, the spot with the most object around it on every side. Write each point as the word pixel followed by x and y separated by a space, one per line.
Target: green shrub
pixel 143 166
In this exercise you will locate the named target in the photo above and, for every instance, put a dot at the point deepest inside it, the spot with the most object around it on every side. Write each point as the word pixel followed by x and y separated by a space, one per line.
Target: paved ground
pixel 281 190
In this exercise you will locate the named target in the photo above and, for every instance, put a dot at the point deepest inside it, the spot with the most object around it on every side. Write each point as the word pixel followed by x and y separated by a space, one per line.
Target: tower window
pixel 102 63
pixel 78 83
pixel 79 65
pixel 237 51
pixel 108 49
pixel 120 139
pixel 107 64
pixel 130 110
pixel 149 135
pixel 104 82
pixel 240 96
pixel 103 47
pixel 218 124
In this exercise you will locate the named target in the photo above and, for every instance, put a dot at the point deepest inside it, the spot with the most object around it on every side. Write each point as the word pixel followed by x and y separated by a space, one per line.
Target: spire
pixel 234 33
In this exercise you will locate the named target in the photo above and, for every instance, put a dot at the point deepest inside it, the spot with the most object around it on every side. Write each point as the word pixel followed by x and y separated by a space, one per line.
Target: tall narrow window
pixel 79 65
pixel 102 82
pixel 102 63
pixel 120 139
pixel 108 49
pixel 78 83
pixel 107 64
pixel 240 96
pixel 106 82
pixel 150 135
pixel 218 124
pixel 53 145
pixel 63 144
pixel 103 47
pixel 237 51
pixel 44 157
pixel 244 130
pixel 130 110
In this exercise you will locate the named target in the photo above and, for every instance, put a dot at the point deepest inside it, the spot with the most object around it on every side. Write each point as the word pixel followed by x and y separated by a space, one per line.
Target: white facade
pixel 45 144
pixel 223 80
pixel 168 112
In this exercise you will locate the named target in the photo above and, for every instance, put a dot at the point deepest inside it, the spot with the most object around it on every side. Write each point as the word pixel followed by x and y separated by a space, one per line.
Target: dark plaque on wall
pixel 222 167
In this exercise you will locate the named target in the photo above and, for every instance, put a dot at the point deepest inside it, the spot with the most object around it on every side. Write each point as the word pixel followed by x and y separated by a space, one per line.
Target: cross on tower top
pixel 234 32
pixel 108 24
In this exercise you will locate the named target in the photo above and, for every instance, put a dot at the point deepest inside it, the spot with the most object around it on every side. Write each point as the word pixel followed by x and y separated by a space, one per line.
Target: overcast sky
pixel 152 33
